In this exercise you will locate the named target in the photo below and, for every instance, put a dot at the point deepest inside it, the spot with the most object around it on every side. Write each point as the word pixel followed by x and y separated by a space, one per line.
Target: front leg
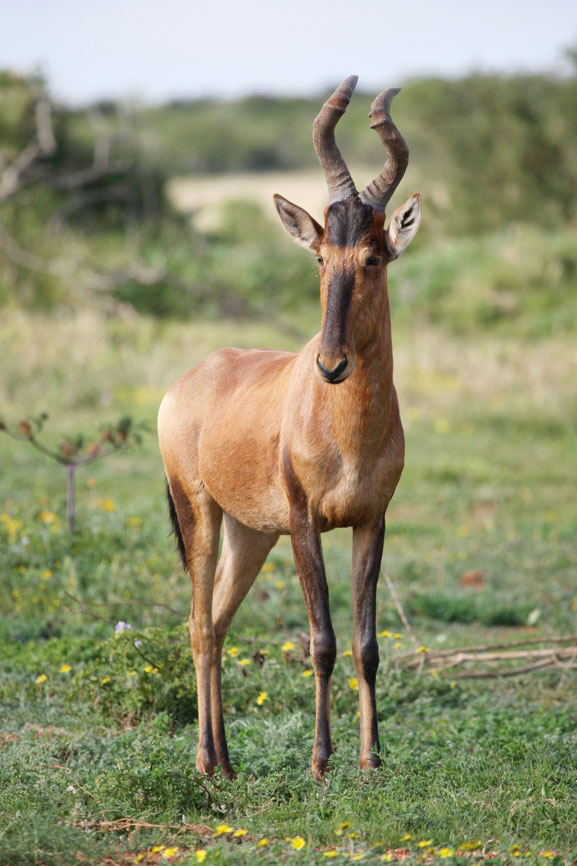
pixel 367 554
pixel 306 544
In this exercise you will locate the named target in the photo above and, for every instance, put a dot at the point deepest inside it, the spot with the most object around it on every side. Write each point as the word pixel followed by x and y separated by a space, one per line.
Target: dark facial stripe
pixel 348 222
pixel 339 295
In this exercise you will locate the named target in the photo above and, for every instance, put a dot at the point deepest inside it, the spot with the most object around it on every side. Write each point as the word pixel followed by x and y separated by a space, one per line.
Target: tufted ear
pixel 403 226
pixel 305 230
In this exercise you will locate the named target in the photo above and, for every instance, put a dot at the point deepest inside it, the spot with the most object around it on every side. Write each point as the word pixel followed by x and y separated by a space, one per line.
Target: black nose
pixel 332 375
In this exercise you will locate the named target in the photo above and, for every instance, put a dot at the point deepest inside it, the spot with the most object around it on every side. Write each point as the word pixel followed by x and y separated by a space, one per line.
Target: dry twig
pixel 400 609
pixel 487 661
pixel 131 824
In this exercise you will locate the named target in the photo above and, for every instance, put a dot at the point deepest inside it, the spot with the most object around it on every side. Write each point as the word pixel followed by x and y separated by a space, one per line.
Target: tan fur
pixel 263 440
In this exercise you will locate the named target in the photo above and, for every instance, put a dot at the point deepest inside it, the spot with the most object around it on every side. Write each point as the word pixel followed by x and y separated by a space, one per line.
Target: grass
pixel 98 728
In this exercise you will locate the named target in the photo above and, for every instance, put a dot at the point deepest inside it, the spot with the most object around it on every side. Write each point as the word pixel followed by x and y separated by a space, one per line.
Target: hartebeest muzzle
pixel 335 374
pixel 336 359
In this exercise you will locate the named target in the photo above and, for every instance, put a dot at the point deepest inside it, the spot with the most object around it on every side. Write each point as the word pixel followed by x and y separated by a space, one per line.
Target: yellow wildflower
pixel 353 835
pixel 233 652
pixel 157 849
pixel 64 669
pixel 170 852
pixel 353 683
pixel 307 673
pixel 407 836
pixel 280 584
pixel 330 853
pixel 133 521
pixel 470 846
pixel 46 574
pixel 423 649
pixel 387 857
pixel 261 698
pixel 104 680
pixel 244 662
pixel 442 425
pixel 108 505
pixel 239 833
pixel 385 633
pixel 262 842
pixel 201 855
pixel 298 842
pixel 41 679
pixel 347 653
pixel 223 828
pixel 288 646
pixel 48 517
pixel 446 852
pixel 426 843
pixel 342 826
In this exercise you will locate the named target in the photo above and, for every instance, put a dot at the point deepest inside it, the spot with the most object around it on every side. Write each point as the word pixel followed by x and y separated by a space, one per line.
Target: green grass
pixel 98 735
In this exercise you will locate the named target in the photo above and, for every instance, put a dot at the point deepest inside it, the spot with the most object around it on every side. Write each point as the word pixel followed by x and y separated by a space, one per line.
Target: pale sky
pixel 159 49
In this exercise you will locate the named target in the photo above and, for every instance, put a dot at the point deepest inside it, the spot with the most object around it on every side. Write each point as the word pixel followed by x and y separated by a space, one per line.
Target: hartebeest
pixel 279 443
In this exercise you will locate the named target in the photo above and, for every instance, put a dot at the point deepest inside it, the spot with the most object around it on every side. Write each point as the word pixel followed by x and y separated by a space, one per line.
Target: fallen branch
pixel 484 661
pixel 570 638
pixel 131 824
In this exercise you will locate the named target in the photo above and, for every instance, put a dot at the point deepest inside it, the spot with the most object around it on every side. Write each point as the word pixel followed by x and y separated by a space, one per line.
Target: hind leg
pixel 199 519
pixel 243 553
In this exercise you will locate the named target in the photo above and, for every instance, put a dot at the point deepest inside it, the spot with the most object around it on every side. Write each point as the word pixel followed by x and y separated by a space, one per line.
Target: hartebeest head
pixel 354 248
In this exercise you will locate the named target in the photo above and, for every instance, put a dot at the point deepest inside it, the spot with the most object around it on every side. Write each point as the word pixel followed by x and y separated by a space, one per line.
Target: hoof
pixel 228 773
pixel 205 762
pixel 320 768
pixel 371 762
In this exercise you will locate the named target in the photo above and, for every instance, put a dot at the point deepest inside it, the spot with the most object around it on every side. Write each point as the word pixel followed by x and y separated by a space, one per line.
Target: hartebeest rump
pixel 277 442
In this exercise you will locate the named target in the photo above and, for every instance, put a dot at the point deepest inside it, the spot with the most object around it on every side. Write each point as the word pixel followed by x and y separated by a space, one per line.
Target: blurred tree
pixel 76 202
pixel 84 217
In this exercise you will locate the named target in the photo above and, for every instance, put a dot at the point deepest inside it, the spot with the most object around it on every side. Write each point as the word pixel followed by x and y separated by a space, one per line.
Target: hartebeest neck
pixel 360 407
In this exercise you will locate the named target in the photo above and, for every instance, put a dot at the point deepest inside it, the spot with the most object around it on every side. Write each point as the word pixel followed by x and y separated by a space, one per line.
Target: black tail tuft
pixel 176 527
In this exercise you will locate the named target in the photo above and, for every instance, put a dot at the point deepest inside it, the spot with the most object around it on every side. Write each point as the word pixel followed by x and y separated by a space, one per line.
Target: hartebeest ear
pixel 403 226
pixel 305 230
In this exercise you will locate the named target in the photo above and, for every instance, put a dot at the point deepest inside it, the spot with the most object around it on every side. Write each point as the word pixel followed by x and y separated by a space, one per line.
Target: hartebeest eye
pixel 372 261
pixel 320 260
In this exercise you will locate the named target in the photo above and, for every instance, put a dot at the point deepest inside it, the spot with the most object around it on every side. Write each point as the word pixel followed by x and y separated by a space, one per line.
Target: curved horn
pixel 339 181
pixel 380 190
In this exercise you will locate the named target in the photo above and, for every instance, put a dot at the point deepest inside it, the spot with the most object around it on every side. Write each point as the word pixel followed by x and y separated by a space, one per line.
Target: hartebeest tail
pixel 269 443
pixel 175 526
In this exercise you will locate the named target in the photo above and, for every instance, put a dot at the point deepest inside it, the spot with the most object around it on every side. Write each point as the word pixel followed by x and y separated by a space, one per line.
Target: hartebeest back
pixel 277 442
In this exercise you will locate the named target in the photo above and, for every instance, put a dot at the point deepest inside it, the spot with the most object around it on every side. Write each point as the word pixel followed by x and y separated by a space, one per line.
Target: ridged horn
pixel 339 181
pixel 380 190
